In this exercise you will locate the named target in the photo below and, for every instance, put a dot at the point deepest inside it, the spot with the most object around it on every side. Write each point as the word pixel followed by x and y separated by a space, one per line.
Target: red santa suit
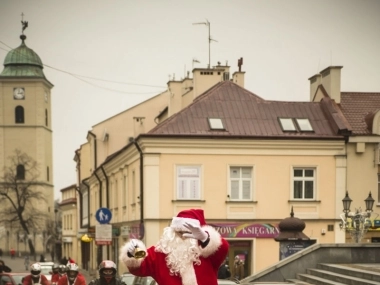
pixel 55 278
pixel 210 254
pixel 79 280
pixel 30 280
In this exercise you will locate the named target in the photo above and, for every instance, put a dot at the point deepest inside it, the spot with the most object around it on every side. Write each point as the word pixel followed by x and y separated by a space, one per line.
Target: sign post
pixel 103 233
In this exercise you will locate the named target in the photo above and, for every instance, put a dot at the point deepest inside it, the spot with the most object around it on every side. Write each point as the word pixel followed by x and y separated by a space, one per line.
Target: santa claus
pixel 188 253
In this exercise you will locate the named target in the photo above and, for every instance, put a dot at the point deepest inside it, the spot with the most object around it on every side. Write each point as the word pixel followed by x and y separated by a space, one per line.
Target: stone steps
pixel 338 274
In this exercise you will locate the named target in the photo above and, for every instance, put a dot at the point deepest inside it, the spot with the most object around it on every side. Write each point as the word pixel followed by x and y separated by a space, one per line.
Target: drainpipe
pixel 141 183
pixel 86 258
pixel 95 149
pixel 100 247
pixel 107 191
pixel 80 193
pixel 107 202
pixel 88 202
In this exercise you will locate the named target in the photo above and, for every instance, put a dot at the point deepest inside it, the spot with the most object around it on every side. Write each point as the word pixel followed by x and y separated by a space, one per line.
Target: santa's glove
pixel 196 232
pixel 131 246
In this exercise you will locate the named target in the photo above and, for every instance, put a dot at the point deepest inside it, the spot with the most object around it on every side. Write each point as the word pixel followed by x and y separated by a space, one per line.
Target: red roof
pixel 245 114
pixel 356 107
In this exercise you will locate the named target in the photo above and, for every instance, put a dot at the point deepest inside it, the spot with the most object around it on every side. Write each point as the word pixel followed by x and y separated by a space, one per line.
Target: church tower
pixel 25 122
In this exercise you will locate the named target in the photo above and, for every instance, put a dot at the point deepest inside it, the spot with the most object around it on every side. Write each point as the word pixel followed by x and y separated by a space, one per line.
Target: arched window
pixel 46 117
pixel 19 115
pixel 20 172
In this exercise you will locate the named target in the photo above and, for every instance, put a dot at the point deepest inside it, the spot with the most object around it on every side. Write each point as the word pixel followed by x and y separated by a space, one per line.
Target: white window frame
pixel 188 184
pixel 304 179
pixel 240 181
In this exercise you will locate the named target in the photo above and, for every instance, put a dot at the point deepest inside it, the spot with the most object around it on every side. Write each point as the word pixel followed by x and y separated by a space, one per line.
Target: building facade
pixel 244 160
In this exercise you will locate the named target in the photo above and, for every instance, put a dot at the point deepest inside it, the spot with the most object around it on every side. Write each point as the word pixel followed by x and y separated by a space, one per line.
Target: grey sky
pixel 283 43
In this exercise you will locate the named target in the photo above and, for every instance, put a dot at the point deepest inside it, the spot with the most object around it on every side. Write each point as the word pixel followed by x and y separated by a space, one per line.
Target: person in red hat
pixel 188 253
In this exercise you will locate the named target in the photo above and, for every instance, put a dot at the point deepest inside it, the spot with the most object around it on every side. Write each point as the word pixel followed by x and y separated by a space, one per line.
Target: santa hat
pixel 194 217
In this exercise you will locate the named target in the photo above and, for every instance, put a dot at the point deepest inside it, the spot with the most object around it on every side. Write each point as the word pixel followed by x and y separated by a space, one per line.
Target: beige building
pixel 69 209
pixel 361 110
pixel 25 124
pixel 246 161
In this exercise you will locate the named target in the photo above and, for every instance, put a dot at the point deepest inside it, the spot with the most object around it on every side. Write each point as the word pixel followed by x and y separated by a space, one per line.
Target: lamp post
pixel 356 223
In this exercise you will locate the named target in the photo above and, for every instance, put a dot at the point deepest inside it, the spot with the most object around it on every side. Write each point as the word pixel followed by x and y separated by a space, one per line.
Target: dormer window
pixel 216 124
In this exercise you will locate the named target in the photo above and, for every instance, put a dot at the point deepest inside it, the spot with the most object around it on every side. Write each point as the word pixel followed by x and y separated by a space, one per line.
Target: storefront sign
pixel 246 230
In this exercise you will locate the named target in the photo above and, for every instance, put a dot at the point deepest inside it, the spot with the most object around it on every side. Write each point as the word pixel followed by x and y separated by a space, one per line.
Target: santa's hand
pixel 196 232
pixel 132 246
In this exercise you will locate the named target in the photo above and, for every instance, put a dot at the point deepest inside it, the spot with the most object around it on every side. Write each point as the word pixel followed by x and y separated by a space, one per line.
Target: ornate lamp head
pixel 369 203
pixel 346 203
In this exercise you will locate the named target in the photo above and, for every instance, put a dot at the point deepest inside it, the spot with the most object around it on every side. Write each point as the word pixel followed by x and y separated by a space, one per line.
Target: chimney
pixel 331 81
pixel 238 77
pixel 315 81
pixel 175 96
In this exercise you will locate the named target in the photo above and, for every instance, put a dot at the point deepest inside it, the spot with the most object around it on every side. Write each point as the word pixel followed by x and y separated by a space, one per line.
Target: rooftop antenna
pixel 207 23
pixel 195 61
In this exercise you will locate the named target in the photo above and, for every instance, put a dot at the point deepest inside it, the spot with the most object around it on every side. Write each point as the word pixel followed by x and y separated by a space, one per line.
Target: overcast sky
pixel 88 46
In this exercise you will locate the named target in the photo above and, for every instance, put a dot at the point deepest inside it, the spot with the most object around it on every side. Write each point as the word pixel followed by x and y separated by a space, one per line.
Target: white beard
pixel 181 254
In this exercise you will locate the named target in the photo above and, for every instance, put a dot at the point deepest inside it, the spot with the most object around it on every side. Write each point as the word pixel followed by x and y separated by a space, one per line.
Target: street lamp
pixel 356 223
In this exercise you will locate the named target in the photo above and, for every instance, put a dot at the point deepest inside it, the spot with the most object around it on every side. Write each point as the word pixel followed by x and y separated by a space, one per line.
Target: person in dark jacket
pixel 107 274
pixel 224 271
pixel 3 267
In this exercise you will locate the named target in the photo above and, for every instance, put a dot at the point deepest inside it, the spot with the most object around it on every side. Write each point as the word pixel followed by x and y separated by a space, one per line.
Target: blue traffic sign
pixel 103 215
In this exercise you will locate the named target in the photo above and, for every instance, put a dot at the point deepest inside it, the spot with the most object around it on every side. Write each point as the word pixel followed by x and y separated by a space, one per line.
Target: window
pixel 20 172
pixel 215 124
pixel 287 124
pixel 47 174
pixel 295 125
pixel 241 183
pixel 19 115
pixel 188 182
pixel 46 117
pixel 303 183
pixel 304 125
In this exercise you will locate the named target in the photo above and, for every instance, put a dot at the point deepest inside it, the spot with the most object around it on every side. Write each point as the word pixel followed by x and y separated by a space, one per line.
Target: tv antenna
pixel 208 24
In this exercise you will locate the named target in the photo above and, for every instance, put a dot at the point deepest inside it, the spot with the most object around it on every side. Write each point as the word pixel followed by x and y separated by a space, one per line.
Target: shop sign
pixel 67 239
pixel 246 230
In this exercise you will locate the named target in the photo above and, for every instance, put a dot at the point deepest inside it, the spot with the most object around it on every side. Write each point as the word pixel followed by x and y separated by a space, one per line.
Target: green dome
pixel 22 61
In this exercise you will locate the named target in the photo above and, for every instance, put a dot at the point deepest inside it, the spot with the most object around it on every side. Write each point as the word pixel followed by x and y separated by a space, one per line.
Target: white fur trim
pixel 214 243
pixel 177 223
pixel 131 261
pixel 188 276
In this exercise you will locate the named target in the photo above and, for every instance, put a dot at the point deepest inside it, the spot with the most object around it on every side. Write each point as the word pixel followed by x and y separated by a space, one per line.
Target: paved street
pixel 17 265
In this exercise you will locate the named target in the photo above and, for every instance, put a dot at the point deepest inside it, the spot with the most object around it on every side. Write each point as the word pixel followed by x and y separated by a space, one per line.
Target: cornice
pixel 242 147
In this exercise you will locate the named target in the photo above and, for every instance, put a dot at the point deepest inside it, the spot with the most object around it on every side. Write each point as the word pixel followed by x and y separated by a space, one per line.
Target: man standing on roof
pixel 188 253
